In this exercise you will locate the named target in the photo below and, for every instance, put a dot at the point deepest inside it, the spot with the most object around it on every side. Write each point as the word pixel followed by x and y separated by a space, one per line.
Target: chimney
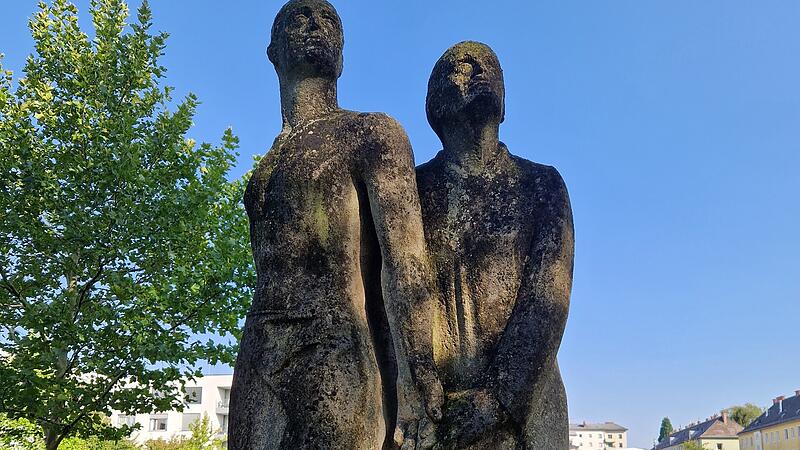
pixel 797 393
pixel 780 403
pixel 725 416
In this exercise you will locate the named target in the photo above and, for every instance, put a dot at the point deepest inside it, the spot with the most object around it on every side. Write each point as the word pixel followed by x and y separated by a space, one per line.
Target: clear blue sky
pixel 676 125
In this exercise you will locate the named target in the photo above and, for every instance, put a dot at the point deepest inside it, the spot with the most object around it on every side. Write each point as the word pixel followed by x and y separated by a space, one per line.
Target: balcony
pixel 222 407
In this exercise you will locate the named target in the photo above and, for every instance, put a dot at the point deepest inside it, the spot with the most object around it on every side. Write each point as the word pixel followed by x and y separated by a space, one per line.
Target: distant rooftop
pixel 782 410
pixel 605 426
pixel 716 427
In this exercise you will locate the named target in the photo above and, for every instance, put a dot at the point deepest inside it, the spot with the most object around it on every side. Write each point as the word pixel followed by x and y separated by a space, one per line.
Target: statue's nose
pixel 477 70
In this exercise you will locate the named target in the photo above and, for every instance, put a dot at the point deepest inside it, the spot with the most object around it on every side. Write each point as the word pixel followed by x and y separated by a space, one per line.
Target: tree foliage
pixel 745 414
pixel 124 260
pixel 22 434
pixel 666 429
pixel 693 445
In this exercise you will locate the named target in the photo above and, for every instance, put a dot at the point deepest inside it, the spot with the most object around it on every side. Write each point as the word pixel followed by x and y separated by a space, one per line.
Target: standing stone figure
pixel 500 234
pixel 338 244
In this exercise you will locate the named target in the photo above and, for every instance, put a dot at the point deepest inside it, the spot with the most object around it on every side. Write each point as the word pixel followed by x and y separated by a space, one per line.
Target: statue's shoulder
pixel 381 136
pixel 542 181
pixel 259 178
pixel 378 125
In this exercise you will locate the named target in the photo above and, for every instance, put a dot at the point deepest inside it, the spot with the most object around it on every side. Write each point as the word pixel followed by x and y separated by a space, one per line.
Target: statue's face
pixel 307 37
pixel 467 81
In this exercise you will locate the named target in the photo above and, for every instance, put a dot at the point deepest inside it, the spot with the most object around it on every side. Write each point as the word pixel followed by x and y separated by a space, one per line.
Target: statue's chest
pixel 487 220
pixel 307 178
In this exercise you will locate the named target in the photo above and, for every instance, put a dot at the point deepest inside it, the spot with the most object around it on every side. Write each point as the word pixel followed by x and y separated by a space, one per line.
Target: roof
pixel 605 426
pixel 782 411
pixel 717 427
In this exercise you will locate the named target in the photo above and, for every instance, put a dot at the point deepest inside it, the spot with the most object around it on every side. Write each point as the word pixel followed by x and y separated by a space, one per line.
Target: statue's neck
pixel 470 146
pixel 307 99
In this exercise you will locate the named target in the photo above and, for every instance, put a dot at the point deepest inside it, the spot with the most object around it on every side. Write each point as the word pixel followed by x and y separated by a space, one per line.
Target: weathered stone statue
pixel 500 234
pixel 339 249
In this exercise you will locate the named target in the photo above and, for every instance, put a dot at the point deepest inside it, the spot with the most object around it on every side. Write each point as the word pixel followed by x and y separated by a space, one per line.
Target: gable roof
pixel 784 410
pixel 718 427
pixel 605 426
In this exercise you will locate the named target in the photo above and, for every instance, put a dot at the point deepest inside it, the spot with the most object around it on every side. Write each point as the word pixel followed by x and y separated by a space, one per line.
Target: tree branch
pixel 71 426
pixel 28 414
pixel 12 290
pixel 85 290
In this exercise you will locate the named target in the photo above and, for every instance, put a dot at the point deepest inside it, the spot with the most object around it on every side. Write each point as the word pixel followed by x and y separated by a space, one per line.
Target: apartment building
pixel 718 432
pixel 208 395
pixel 778 428
pixel 585 436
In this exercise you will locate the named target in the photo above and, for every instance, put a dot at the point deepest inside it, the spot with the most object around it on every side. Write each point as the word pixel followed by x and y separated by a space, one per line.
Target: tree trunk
pixel 52 438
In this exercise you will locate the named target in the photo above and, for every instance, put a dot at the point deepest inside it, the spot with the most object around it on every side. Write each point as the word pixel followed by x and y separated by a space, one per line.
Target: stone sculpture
pixel 500 234
pixel 351 329
pixel 336 349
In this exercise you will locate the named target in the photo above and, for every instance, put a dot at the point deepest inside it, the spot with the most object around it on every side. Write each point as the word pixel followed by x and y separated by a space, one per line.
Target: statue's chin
pixel 317 60
pixel 483 105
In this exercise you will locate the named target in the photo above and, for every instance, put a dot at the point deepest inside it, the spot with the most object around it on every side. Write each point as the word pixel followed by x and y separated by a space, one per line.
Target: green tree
pixel 124 257
pixel 666 429
pixel 693 445
pixel 745 414
pixel 203 436
pixel 19 434
pixel 22 434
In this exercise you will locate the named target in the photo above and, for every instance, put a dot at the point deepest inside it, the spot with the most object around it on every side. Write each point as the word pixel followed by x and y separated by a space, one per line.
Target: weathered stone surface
pixel 500 234
pixel 336 351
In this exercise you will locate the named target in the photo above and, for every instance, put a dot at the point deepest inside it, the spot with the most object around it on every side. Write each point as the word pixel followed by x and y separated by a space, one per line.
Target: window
pixel 786 434
pixel 194 395
pixel 719 446
pixel 126 420
pixel 189 419
pixel 223 422
pixel 158 423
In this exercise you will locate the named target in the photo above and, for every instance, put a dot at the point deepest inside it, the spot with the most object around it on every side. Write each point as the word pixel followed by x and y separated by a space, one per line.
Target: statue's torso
pixel 479 229
pixel 303 203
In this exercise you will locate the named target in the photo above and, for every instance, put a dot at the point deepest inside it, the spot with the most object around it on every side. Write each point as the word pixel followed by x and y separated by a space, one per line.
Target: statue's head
pixel 307 39
pixel 467 83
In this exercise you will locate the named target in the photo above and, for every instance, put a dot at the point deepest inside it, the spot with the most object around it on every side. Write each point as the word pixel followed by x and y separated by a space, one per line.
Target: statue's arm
pixel 533 334
pixel 406 275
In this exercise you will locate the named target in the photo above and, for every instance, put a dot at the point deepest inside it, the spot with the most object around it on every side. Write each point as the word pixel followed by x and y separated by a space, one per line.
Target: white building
pixel 210 395
pixel 585 436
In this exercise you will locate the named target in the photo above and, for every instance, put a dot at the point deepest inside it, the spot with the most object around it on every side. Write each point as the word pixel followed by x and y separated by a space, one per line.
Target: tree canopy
pixel 693 445
pixel 745 414
pixel 124 256
pixel 666 429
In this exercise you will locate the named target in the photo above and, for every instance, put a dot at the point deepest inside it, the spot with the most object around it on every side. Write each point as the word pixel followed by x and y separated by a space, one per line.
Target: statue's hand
pixel 434 399
pixel 471 414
